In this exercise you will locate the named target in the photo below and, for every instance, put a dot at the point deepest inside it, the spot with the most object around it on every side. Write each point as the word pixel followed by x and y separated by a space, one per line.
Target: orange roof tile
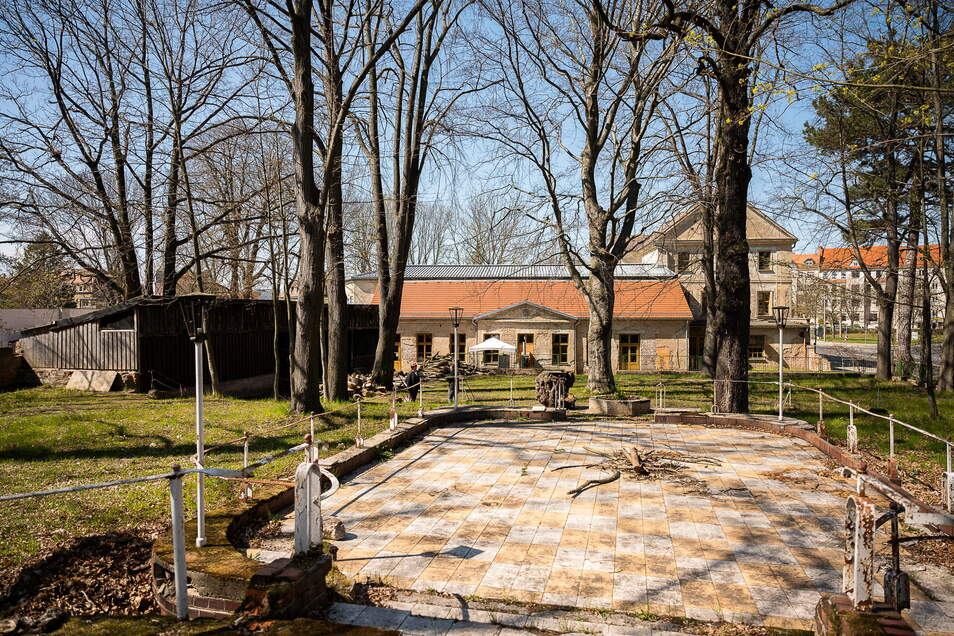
pixel 634 299
pixel 874 256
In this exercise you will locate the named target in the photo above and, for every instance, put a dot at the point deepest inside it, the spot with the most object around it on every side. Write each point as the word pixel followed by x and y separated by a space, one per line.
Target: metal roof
pixel 517 272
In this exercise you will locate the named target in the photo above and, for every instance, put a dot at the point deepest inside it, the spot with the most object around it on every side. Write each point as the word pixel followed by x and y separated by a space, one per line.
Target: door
pixel 663 358
pixel 629 352
pixel 525 350
pixel 397 352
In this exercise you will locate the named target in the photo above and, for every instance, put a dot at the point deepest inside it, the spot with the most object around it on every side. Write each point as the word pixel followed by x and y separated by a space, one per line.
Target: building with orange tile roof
pixel 541 312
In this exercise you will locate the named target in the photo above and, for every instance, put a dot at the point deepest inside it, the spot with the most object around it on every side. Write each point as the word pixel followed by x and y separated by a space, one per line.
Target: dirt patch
pixel 103 574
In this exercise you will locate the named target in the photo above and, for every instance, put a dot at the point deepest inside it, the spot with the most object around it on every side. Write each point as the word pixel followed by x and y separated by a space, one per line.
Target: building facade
pixel 830 285
pixel 679 246
pixel 540 312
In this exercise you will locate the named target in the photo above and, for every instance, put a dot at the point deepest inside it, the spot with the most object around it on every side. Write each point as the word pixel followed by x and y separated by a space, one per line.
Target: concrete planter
pixel 630 407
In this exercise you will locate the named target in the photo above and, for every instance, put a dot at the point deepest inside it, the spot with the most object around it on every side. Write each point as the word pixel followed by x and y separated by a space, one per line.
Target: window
pixel 525 350
pixel 809 261
pixel 560 349
pixel 855 274
pixel 397 352
pixel 424 342
pixel 461 346
pixel 628 351
pixel 491 357
pixel 764 300
pixel 757 347
pixel 765 261
pixel 682 262
pixel 117 323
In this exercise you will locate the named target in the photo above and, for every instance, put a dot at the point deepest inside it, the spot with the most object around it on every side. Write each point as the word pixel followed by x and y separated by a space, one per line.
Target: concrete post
pixel 307 507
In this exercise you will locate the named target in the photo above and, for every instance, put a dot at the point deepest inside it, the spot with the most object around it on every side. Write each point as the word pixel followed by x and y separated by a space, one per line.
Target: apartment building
pixel 830 285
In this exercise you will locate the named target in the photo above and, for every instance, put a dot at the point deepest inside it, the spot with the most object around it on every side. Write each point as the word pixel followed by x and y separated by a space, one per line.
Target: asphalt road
pixel 857 356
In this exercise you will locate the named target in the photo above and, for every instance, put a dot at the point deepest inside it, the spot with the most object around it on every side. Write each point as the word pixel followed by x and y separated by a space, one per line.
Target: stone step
pixel 437 619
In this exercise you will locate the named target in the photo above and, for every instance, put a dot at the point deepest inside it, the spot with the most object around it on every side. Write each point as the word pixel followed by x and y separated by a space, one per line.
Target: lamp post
pixel 780 313
pixel 195 319
pixel 455 314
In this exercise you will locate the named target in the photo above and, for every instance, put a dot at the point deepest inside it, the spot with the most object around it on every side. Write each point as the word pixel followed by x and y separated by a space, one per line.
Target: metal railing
pixel 307 480
pixel 891 422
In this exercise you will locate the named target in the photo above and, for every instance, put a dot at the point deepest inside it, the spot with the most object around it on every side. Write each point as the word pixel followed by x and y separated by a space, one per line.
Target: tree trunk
pixel 885 320
pixel 170 242
pixel 733 310
pixel 599 335
pixel 337 357
pixel 306 360
pixel 710 343
pixel 906 285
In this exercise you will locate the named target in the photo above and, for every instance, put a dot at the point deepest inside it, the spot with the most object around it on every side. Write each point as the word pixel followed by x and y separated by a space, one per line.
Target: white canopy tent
pixel 493 344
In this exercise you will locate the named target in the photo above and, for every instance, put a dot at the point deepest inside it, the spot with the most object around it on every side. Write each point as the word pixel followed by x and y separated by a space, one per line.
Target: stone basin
pixel 627 407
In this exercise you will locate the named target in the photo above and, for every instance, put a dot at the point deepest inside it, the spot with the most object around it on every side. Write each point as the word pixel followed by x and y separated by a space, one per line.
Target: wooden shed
pixel 147 340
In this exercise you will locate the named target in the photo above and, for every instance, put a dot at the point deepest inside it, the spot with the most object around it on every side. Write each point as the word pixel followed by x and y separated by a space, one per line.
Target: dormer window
pixel 682 262
pixel 809 261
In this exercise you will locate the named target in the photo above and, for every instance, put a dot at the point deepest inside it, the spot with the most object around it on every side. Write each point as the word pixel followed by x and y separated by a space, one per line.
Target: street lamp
pixel 455 314
pixel 195 314
pixel 780 313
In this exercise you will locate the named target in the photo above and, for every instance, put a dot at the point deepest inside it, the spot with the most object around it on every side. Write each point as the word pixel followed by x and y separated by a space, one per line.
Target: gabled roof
pixel 688 226
pixel 634 299
pixel 517 272
pixel 525 303
pixel 838 258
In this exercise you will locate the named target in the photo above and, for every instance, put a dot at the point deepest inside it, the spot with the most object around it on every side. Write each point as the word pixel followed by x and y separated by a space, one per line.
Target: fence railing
pixel 664 398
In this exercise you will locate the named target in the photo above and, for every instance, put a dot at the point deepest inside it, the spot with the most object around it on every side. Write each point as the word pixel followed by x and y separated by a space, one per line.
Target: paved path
pixel 478 510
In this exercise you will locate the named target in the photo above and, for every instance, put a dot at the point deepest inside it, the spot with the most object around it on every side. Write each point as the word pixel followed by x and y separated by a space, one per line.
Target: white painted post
pixel 358 440
pixel 420 398
pixel 781 363
pixel 178 546
pixel 852 430
pixel 949 476
pixel 511 389
pixel 858 573
pixel 890 436
pixel 247 488
pixel 199 438
pixel 307 507
pixel 392 415
pixel 311 427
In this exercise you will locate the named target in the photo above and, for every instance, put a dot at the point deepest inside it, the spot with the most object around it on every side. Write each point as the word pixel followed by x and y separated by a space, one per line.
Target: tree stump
pixel 553 389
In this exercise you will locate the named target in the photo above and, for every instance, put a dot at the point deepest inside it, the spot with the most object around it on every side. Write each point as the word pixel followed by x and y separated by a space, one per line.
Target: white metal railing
pixel 947 486
pixel 307 518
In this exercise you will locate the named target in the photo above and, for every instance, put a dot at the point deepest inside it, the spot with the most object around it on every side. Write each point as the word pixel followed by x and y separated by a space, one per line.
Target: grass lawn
pixel 51 438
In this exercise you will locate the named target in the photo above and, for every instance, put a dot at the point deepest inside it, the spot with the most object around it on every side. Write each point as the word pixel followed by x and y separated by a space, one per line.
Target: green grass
pixel 52 438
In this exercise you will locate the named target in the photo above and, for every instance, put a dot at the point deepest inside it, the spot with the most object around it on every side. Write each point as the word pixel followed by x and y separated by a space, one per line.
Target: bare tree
pixel 735 31
pixel 576 96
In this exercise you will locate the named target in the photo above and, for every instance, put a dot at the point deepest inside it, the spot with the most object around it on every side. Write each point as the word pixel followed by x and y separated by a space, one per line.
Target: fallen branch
pixel 593 483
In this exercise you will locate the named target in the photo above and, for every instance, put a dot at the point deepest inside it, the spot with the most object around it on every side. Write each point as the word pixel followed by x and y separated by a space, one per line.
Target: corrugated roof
pixel 634 299
pixel 517 272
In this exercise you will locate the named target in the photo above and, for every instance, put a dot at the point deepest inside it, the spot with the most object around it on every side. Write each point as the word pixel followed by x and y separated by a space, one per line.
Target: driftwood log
pixel 553 389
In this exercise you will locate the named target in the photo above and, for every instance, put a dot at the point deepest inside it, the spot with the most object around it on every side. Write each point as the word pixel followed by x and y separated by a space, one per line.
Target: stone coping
pixel 628 407
pixel 220 570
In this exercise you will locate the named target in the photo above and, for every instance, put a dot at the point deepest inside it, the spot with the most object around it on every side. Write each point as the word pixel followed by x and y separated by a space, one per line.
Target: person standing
pixel 413 382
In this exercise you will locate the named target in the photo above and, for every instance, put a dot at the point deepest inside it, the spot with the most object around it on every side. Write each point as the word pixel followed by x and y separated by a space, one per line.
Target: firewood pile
pixel 436 367
pixel 360 385
pixel 442 366
pixel 636 463
pixel 553 389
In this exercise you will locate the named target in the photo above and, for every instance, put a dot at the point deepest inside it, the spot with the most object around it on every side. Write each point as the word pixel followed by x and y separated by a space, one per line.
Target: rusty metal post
pixel 178 545
pixel 308 449
pixel 858 573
